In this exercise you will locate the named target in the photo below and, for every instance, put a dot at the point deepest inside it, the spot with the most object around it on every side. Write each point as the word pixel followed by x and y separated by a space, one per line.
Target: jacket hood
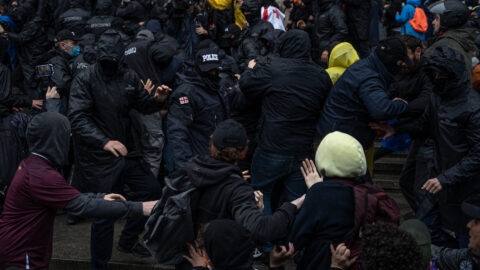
pixel 343 55
pixel 416 3
pixel 206 171
pixel 295 44
pixel 109 46
pixel 465 37
pixel 339 155
pixel 325 5
pixel 261 28
pixel 273 37
pixel 450 61
pixel 229 245
pixel 48 134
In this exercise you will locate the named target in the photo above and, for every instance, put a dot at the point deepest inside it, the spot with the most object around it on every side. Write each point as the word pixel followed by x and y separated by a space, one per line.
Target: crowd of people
pixel 234 130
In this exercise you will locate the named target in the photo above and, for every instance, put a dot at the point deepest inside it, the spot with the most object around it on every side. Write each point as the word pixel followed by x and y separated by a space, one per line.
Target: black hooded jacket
pixel 290 107
pixel 224 194
pixel 100 100
pixel 195 110
pixel 452 120
pixel 74 19
pixel 52 143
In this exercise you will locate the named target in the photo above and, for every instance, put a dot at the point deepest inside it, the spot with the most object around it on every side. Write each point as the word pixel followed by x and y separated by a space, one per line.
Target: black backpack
pixel 170 225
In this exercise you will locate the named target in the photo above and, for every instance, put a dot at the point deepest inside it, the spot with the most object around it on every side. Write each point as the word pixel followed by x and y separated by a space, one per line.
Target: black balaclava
pixel 229 245
pixel 390 51
pixel 110 51
pixel 48 134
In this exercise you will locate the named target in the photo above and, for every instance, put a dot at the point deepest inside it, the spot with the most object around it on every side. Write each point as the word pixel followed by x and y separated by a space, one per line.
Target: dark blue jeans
pixel 269 169
pixel 142 186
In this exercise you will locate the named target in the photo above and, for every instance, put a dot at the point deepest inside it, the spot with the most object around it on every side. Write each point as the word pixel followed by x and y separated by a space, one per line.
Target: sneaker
pixel 137 250
pixel 257 253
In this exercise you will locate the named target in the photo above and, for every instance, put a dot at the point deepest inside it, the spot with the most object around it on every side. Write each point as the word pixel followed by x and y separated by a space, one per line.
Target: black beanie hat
pixel 390 51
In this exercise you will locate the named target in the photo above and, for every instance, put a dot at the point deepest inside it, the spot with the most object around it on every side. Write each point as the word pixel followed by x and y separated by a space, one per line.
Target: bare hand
pixel 299 202
pixel 324 57
pixel 238 76
pixel 389 131
pixel 252 63
pixel 201 31
pixel 341 257
pixel 37 103
pixel 277 258
pixel 246 175
pixel 433 186
pixel 310 174
pixel 196 257
pixel 1 29
pixel 401 99
pixel 161 93
pixel 52 93
pixel 142 23
pixel 113 197
pixel 116 148
pixel 17 109
pixel 148 207
pixel 259 199
pixel 148 85
pixel 301 24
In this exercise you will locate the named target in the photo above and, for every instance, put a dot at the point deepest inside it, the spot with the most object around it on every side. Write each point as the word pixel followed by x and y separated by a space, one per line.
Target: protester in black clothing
pixel 452 120
pixel 101 98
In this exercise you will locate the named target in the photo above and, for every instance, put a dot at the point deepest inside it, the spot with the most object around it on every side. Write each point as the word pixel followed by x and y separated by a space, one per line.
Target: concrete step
pixel 389 165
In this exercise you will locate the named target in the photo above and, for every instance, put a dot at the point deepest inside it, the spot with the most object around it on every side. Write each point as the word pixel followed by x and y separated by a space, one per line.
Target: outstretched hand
pixel 113 197
pixel 389 131
pixel 148 85
pixel 309 172
pixel 162 93
pixel 341 257
pixel 196 257
pixel 277 258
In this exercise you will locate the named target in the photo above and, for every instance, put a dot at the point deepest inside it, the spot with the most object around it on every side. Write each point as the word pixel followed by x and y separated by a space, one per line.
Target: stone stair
pixel 386 170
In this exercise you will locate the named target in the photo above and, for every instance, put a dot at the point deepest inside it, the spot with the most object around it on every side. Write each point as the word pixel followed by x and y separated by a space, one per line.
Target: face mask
pixel 109 67
pixel 212 81
pixel 440 86
pixel 75 51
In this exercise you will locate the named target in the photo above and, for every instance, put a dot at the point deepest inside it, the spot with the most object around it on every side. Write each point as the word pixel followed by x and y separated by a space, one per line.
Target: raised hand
pixel 309 172
pixel 148 85
pixel 341 257
pixel 162 93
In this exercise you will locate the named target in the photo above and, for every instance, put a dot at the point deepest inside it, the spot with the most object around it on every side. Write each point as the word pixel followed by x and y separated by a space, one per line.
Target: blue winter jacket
pixel 408 11
pixel 358 98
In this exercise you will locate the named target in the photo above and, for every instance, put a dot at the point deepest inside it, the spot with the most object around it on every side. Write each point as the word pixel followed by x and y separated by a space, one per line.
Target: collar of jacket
pixel 378 66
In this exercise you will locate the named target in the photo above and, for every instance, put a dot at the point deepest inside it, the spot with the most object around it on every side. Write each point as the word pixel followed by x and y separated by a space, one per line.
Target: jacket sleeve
pixel 179 120
pixel 405 15
pixel 54 105
pixel 81 113
pixel 417 106
pixel 378 103
pixel 447 258
pixel 469 166
pixel 417 127
pixel 263 228
pixel 255 82
pixel 93 205
pixel 62 77
pixel 27 35
pixel 144 102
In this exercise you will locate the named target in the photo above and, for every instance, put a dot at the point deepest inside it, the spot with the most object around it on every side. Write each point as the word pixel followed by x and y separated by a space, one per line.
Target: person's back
pixel 292 90
pixel 409 12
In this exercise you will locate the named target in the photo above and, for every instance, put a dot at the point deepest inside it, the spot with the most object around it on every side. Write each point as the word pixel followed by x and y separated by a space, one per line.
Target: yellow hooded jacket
pixel 342 56
pixel 240 20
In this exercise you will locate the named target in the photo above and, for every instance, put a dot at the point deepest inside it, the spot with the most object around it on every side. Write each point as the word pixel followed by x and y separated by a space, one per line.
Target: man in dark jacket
pixel 39 190
pixel 103 17
pixel 196 107
pixel 67 48
pixel 361 94
pixel 290 109
pixel 452 120
pixel 100 100
pixel 30 44
pixel 450 25
pixel 74 19
pixel 358 21
pixel 330 26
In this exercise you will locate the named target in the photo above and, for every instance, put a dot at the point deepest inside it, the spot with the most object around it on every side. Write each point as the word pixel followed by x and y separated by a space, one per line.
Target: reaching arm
pixel 94 205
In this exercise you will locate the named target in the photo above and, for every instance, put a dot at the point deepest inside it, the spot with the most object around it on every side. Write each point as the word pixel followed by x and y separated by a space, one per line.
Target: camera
pixel 43 74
